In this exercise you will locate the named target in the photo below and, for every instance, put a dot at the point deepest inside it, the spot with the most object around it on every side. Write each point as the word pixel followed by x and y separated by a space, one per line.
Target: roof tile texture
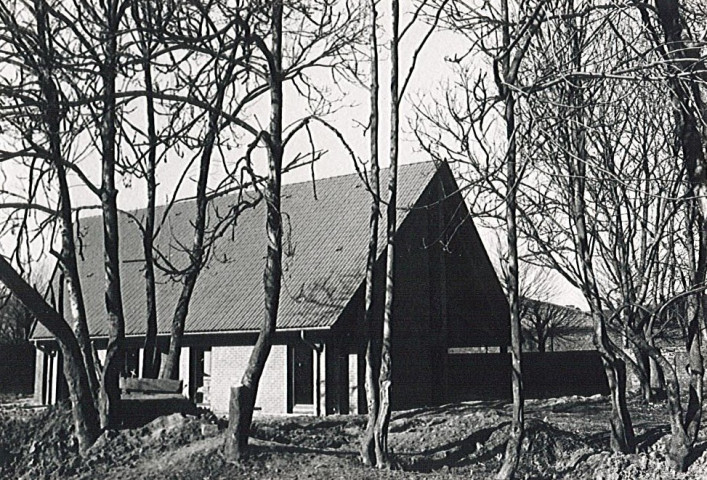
pixel 325 241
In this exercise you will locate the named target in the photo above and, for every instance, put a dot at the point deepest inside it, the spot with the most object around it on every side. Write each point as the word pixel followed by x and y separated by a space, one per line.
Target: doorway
pixel 302 375
pixel 200 375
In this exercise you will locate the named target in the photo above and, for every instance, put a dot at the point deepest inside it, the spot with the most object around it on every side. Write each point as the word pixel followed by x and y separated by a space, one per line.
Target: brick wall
pixel 39 385
pixel 184 370
pixel 227 367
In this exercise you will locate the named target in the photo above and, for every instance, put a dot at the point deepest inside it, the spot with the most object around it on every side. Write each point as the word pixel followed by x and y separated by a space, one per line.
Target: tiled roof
pixel 325 244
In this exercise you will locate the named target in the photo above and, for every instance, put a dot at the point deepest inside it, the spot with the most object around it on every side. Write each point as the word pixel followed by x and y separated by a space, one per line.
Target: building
pixel 447 296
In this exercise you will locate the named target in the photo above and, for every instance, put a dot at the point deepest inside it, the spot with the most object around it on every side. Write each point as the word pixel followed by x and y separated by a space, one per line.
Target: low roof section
pixel 325 232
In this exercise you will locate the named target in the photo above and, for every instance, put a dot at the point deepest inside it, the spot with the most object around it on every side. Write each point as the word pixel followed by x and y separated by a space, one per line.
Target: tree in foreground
pixel 385 380
pixel 42 125
pixel 379 428
pixel 84 411
pixel 502 34
pixel 686 76
pixel 243 396
pixel 368 453
pixel 333 32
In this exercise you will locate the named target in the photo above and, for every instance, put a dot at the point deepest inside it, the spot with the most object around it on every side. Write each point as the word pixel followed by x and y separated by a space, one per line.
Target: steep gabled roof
pixel 325 243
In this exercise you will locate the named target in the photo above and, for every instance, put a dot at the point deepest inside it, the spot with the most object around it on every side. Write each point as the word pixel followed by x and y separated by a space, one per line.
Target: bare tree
pixel 572 169
pixel 109 26
pixel 283 62
pixel 368 454
pixel 503 33
pixel 36 47
pixel 146 17
pixel 563 66
pixel 397 91
pixel 243 396
pixel 224 73
pixel 547 325
pixel 385 380
pixel 85 414
pixel 685 76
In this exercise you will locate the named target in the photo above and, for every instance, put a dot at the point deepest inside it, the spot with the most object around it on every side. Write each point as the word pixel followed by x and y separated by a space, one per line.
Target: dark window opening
pixel 303 375
pixel 199 374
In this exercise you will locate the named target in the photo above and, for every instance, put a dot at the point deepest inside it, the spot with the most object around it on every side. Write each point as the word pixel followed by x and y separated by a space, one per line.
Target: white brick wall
pixel 227 367
pixel 39 376
pixel 320 363
pixel 184 370
pixel 54 362
pixel 353 383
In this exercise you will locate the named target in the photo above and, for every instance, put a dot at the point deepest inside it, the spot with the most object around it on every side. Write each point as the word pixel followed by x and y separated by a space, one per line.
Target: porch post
pixel 320 389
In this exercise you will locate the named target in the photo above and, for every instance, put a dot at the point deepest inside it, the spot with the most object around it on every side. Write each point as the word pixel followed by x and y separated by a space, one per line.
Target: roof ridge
pixel 284 185
pixel 356 173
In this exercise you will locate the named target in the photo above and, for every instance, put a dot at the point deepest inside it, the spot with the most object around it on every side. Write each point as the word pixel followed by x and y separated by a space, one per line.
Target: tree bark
pixel 643 371
pixel 244 396
pixel 512 453
pixel 693 415
pixel 150 359
pixel 84 412
pixel 687 71
pixel 386 367
pixel 115 351
pixel 622 435
pixel 368 454
pixel 67 262
pixel 510 72
pixel 680 445
pixel 170 368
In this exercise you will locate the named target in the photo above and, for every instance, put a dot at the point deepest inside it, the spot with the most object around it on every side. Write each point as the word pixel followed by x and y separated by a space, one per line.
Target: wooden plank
pixel 150 385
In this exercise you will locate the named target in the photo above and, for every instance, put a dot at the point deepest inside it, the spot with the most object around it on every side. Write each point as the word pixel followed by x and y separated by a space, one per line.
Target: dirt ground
pixel 566 438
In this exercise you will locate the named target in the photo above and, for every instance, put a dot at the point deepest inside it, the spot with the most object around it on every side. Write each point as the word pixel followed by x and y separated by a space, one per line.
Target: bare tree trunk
pixel 622 435
pixel 243 397
pixel 657 376
pixel 150 359
pixel 680 446
pixel 115 352
pixel 151 355
pixel 512 454
pixel 85 414
pixel 67 261
pixel 170 369
pixel 372 344
pixel 682 59
pixel 386 368
pixel 643 371
pixel 693 416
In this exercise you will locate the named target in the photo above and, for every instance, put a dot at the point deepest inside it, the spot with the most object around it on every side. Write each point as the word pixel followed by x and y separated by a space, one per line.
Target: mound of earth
pixel 41 444
pixel 565 438
pixel 36 445
pixel 332 433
